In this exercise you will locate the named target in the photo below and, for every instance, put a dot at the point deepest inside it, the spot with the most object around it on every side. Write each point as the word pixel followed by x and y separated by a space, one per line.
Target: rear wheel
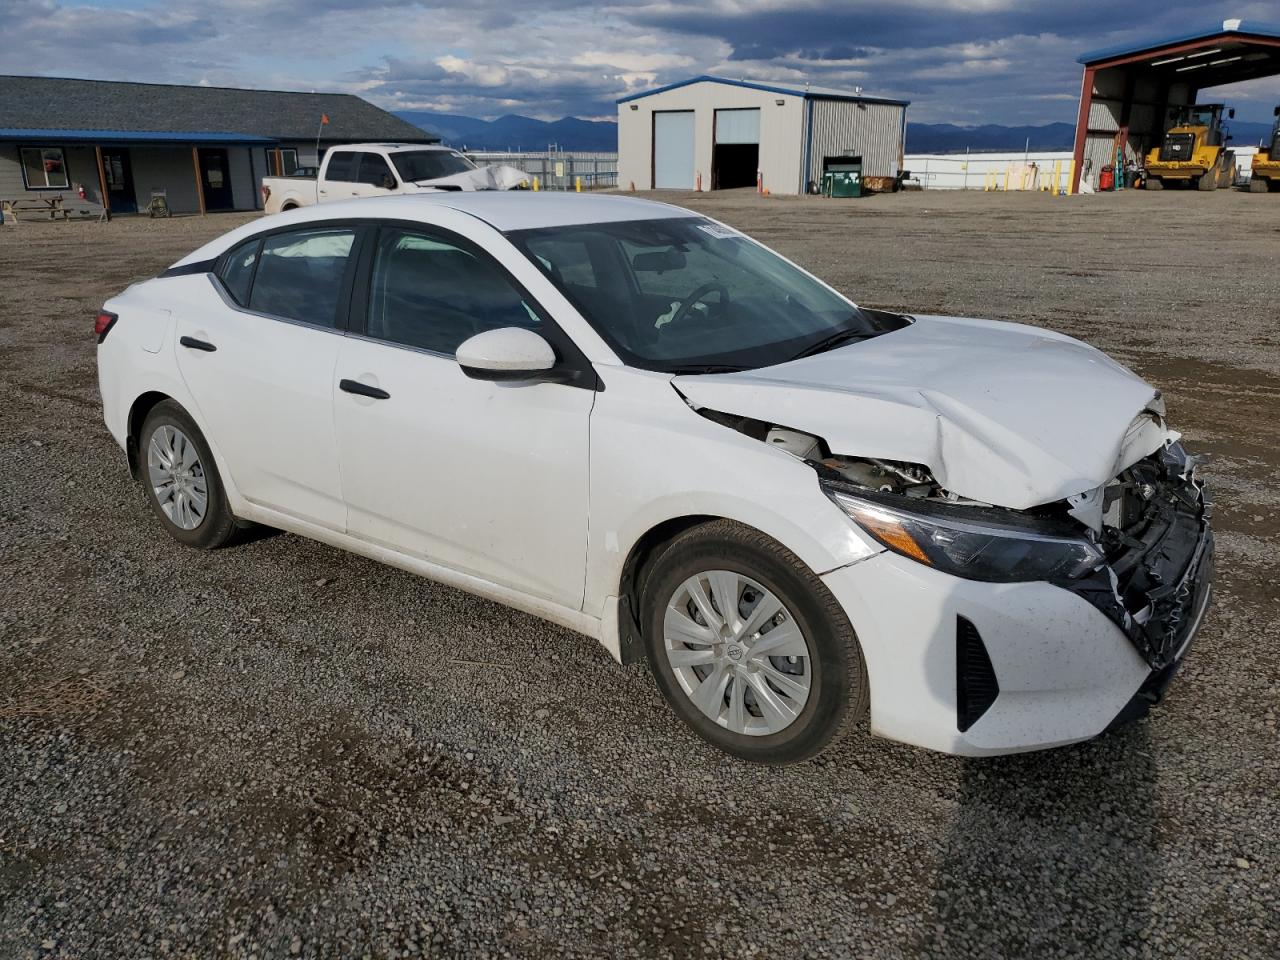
pixel 749 647
pixel 181 479
pixel 1208 180
pixel 1153 183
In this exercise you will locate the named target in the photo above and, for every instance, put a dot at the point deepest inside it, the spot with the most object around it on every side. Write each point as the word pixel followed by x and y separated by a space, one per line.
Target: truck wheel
pixel 1257 185
pixel 1208 180
pixel 1228 176
pixel 1153 183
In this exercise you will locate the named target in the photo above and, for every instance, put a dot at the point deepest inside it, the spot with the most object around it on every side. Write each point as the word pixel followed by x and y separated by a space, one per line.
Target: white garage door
pixel 673 150
pixel 738 126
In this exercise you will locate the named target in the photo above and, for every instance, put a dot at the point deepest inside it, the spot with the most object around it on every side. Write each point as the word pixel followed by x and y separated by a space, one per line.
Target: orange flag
pixel 324 119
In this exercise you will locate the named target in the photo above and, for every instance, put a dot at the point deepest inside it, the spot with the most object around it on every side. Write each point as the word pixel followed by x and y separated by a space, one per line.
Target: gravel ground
pixel 279 749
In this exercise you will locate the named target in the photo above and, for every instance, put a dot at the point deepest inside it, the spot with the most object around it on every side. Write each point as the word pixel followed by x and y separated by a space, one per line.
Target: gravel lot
pixel 279 749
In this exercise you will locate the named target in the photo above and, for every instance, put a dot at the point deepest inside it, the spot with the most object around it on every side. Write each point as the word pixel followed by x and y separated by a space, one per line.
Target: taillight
pixel 102 326
pixel 266 193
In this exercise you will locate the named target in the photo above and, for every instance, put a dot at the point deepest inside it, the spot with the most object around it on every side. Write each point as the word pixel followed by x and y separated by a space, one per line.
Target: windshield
pixel 415 165
pixel 688 295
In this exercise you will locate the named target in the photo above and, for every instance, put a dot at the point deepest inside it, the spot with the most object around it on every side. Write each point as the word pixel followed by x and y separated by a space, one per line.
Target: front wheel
pixel 749 647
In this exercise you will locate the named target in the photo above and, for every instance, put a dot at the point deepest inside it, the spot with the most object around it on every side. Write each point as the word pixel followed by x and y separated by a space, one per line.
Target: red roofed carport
pixel 1127 91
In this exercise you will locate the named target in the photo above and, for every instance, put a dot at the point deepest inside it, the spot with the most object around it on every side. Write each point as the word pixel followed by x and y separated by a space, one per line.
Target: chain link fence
pixel 557 170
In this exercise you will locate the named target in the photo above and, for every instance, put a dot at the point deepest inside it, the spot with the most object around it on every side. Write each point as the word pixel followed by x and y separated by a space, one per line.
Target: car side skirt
pixel 566 617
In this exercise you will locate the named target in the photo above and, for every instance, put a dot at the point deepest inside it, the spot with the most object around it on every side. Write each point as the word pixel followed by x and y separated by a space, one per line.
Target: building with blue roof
pixel 202 148
pixel 715 133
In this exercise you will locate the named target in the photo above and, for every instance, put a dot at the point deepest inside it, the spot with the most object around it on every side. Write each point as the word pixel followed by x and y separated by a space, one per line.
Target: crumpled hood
pixel 495 177
pixel 1003 413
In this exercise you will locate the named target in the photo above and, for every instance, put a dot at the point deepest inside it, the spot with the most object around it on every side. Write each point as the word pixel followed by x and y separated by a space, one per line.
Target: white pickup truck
pixel 376 169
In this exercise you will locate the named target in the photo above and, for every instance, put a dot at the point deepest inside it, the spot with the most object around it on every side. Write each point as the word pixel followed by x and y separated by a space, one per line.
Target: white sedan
pixel 640 424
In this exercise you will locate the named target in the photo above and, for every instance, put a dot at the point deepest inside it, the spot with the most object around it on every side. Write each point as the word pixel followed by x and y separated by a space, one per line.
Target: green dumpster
pixel 842 180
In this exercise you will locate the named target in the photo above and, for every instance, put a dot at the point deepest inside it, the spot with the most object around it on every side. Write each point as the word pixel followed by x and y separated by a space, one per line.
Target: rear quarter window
pixel 237 271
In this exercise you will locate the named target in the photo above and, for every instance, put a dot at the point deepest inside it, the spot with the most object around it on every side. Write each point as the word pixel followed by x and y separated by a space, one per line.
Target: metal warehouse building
pixel 202 148
pixel 715 133
pixel 1127 92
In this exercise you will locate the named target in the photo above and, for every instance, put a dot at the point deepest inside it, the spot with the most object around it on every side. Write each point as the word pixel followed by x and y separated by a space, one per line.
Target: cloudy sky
pixel 959 61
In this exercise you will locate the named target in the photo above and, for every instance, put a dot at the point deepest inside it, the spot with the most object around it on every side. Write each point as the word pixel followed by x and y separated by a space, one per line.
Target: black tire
pixel 1153 183
pixel 1208 180
pixel 218 526
pixel 838 694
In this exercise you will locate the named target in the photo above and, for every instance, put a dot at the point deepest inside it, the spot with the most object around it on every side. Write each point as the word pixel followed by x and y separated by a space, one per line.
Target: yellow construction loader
pixel 1194 151
pixel 1266 163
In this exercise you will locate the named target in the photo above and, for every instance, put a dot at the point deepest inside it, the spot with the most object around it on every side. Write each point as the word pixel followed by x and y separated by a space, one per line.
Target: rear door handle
pixel 362 389
pixel 195 344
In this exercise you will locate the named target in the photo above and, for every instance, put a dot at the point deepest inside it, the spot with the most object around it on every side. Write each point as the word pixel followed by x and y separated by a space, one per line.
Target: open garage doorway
pixel 735 157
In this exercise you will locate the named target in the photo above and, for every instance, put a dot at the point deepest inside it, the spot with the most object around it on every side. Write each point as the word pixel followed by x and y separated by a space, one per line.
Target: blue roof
pixel 791 90
pixel 130 136
pixel 1245 28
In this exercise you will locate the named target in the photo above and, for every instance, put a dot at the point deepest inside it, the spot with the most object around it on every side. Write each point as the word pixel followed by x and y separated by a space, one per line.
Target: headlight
pixel 976 543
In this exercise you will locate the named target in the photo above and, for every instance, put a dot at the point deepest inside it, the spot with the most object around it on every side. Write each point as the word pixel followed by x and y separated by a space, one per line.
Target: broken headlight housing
pixel 977 543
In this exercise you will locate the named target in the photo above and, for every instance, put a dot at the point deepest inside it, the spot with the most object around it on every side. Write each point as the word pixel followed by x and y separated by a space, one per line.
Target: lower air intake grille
pixel 976 687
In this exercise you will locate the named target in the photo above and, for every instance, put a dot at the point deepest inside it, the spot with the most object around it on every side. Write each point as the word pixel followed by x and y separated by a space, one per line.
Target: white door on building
pixel 673 150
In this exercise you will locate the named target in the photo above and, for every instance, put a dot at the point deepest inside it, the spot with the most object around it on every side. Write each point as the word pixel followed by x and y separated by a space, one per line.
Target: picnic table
pixel 51 207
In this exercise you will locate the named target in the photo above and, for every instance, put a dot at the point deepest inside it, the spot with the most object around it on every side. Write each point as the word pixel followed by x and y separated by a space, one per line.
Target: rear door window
pixel 301 275
pixel 342 166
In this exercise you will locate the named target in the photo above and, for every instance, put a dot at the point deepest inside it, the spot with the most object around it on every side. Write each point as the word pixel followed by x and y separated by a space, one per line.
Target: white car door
pixel 258 354
pixel 489 479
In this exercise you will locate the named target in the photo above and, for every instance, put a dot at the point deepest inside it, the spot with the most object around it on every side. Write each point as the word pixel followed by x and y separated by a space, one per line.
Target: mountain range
pixel 516 133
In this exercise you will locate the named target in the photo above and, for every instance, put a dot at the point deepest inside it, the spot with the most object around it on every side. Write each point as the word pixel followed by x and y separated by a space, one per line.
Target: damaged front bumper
pixel 1157 584
pixel 981 668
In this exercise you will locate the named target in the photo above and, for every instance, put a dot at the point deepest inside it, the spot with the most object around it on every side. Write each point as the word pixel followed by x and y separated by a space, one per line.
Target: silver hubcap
pixel 737 652
pixel 177 477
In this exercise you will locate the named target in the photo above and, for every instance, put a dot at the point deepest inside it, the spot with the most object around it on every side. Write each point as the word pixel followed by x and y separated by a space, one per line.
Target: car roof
pixel 508 210
pixel 504 210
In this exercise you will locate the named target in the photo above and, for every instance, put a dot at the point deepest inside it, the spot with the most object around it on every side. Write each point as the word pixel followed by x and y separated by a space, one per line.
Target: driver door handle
pixel 193 344
pixel 362 389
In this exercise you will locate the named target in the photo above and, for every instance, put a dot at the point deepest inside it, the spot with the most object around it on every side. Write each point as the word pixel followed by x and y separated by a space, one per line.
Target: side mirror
pixel 506 354
pixel 388 182
pixel 1276 112
pixel 1231 114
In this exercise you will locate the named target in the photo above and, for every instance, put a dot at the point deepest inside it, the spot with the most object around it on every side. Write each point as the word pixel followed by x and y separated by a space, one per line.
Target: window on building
pixel 44 168
pixel 288 161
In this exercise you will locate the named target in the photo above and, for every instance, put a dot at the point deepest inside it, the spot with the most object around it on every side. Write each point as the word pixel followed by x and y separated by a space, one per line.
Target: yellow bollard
pixel 1057 178
pixel 535 184
pixel 1071 178
pixel 577 184
pixel 1006 179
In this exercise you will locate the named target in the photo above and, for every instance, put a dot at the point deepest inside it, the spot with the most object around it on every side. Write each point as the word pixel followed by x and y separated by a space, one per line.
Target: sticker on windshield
pixel 717 231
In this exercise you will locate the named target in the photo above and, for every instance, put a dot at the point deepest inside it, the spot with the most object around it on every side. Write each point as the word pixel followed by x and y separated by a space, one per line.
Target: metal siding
pixel 870 130
pixel 1104 115
pixel 738 125
pixel 781 132
pixel 673 150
